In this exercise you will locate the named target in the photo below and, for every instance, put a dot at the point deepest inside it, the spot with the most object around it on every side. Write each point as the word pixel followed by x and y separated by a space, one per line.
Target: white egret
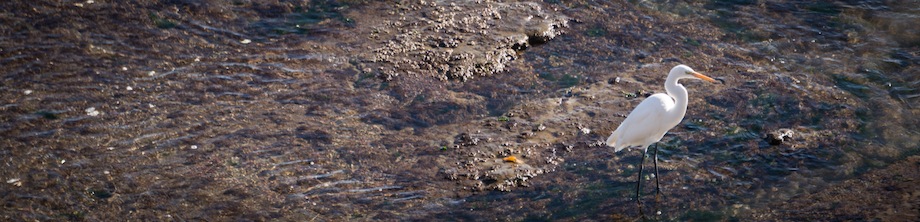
pixel 653 117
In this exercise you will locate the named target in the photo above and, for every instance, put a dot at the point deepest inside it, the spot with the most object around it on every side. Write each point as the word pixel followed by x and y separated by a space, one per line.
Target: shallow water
pixel 341 110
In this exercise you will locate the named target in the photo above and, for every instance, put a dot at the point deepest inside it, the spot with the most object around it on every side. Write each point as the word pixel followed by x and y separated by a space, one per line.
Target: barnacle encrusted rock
pixel 459 39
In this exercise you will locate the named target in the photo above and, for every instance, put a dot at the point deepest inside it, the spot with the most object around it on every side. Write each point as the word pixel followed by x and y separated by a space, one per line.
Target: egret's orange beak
pixel 703 77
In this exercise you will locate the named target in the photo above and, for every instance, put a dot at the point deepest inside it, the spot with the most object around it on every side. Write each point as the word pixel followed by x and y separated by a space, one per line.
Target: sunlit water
pixel 185 111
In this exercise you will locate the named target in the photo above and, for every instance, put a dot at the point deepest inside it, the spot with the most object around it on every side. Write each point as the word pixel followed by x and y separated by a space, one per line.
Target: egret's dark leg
pixel 657 187
pixel 639 179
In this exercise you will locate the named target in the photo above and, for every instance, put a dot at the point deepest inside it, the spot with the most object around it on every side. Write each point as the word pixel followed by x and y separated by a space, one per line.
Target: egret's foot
pixel 659 195
pixel 641 213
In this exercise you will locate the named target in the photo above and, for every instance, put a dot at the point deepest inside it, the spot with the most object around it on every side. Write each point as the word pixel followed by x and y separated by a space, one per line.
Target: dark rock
pixel 779 136
pixel 464 139
pixel 314 136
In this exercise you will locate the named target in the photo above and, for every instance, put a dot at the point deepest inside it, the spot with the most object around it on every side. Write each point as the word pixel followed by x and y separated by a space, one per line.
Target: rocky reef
pixel 458 40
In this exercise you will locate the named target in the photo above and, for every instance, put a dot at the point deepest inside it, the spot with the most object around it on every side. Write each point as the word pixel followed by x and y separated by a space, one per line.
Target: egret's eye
pixel 688 72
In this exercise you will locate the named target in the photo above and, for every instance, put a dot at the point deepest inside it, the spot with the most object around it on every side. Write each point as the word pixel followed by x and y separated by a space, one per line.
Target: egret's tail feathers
pixel 612 142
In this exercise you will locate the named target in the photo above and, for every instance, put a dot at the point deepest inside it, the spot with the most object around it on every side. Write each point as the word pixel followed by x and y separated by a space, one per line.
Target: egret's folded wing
pixel 643 122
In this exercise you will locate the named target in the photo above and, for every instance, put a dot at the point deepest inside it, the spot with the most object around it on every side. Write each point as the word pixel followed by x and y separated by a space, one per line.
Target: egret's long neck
pixel 679 93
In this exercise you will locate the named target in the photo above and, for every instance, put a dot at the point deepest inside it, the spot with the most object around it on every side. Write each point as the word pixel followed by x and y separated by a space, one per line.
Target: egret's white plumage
pixel 653 117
